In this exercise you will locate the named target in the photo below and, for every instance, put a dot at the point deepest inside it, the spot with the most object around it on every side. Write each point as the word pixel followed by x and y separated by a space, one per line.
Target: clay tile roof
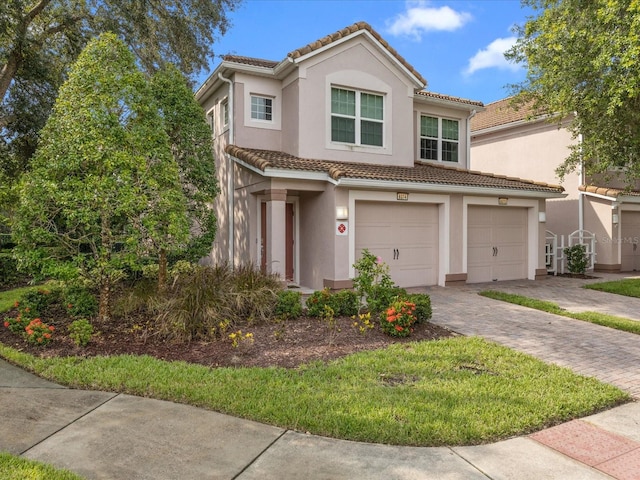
pixel 345 32
pixel 440 96
pixel 419 173
pixel 608 192
pixel 500 113
pixel 257 62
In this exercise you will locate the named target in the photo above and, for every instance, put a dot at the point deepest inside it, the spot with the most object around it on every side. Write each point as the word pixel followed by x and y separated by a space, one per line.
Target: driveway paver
pixel 610 355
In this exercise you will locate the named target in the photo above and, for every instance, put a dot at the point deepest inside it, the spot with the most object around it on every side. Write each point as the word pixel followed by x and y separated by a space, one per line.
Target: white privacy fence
pixel 555 246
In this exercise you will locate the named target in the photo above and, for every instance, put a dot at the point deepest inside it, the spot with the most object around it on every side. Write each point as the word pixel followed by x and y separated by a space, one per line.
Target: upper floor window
pixel 439 139
pixel 211 120
pixel 261 108
pixel 357 117
pixel 225 113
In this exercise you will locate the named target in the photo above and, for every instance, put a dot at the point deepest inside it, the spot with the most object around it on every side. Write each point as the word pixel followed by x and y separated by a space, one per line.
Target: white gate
pixel 555 258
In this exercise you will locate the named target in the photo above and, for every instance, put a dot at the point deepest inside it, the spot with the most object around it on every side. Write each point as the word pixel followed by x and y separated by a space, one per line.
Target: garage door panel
pixel 497 249
pixel 482 236
pixel 408 229
pixel 630 241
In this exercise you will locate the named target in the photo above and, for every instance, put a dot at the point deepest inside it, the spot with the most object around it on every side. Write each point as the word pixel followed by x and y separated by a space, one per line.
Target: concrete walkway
pixel 110 436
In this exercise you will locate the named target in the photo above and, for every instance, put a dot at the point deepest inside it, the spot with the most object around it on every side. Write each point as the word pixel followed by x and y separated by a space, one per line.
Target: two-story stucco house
pixel 517 142
pixel 337 148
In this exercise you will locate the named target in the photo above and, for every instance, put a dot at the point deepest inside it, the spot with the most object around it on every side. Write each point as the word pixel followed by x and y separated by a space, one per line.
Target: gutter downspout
pixel 471 115
pixel 230 182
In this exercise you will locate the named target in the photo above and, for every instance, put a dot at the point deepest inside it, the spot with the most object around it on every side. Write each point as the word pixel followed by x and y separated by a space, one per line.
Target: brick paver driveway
pixel 607 354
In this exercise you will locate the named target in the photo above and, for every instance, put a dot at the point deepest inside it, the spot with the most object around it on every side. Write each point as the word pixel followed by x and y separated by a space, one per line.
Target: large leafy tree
pixel 103 187
pixel 39 39
pixel 583 61
pixel 190 141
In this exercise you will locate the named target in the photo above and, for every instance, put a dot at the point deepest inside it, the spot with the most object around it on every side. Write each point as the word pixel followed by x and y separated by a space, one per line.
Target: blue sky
pixel 456 45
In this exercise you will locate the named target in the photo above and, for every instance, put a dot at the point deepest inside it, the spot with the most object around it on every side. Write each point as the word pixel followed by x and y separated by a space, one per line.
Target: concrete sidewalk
pixel 111 436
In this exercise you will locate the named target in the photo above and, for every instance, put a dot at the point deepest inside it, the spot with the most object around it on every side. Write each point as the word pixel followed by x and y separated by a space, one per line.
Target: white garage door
pixel 497 243
pixel 404 235
pixel 630 241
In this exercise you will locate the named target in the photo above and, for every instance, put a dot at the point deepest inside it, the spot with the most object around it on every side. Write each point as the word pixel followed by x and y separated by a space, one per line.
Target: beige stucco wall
pixel 317 249
pixel 358 65
pixel 532 151
pixel 597 219
pixel 252 133
pixel 212 105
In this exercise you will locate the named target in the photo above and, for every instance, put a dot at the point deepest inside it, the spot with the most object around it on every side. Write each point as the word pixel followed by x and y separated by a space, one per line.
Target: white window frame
pixel 211 120
pixel 439 139
pixel 224 112
pixel 358 118
pixel 271 106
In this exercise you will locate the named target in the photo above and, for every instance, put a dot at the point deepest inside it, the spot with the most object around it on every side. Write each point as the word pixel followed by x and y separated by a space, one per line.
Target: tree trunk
pixel 8 71
pixel 162 270
pixel 104 259
pixel 104 312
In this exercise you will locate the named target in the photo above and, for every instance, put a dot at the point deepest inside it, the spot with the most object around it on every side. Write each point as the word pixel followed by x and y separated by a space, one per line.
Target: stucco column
pixel 276 227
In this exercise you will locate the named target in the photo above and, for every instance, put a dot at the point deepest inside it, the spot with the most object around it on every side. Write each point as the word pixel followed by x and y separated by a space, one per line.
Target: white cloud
pixel 420 18
pixel 493 56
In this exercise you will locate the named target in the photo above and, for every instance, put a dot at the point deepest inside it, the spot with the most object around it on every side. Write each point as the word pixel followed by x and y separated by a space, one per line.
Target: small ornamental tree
pixel 103 183
pixel 191 147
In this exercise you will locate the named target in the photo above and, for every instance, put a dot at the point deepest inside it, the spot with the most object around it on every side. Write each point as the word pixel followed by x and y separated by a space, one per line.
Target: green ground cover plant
pixel 611 321
pixel 456 391
pixel 16 468
pixel 629 287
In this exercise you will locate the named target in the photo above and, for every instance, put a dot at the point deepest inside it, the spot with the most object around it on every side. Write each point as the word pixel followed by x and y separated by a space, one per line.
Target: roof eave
pixel 461 105
pixel 448 188
pixel 418 82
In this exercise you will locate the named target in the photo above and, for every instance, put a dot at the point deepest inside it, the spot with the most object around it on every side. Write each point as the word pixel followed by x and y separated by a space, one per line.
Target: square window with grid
pixel 261 108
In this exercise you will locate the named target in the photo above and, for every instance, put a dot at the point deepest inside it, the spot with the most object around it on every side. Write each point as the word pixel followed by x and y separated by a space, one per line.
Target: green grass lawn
pixel 16 468
pixel 611 321
pixel 9 297
pixel 629 287
pixel 457 391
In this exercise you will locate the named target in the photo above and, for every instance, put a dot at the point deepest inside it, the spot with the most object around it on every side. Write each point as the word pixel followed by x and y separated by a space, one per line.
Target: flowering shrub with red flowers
pixel 399 318
pixel 38 332
pixel 16 325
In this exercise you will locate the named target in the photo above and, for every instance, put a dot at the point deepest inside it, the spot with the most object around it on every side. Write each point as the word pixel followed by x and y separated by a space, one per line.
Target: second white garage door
pixel 404 235
pixel 630 241
pixel 497 243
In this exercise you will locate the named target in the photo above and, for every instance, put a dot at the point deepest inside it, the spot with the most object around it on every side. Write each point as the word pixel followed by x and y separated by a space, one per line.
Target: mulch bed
pixel 285 344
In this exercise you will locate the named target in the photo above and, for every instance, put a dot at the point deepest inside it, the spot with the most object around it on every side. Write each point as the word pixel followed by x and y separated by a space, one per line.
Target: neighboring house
pixel 338 148
pixel 518 142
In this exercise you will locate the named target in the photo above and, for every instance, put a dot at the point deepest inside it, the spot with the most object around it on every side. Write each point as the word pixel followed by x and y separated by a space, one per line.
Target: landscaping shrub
pixel 80 331
pixel 80 302
pixel 423 306
pixel 577 259
pixel 289 304
pixel 373 283
pixel 317 301
pixel 342 303
pixel 209 301
pixel 398 319
pixel 8 268
pixel 382 296
pixel 254 293
pixel 345 303
pixel 34 303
